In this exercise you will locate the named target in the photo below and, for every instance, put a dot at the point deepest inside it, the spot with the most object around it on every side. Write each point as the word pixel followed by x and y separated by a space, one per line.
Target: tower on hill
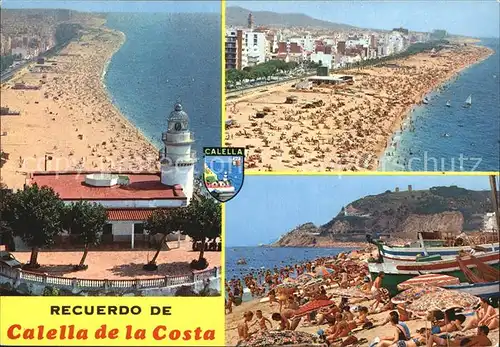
pixel 250 21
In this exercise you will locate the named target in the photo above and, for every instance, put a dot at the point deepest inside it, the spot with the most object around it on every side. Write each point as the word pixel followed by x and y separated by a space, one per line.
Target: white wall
pixel 121 228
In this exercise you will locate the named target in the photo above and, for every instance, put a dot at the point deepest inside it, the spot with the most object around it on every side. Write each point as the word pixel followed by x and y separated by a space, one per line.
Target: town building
pixel 235 49
pixel 131 197
pixel 490 223
pixel 322 59
pixel 257 47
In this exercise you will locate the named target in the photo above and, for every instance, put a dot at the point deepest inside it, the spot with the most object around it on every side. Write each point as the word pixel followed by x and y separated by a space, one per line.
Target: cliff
pixel 399 214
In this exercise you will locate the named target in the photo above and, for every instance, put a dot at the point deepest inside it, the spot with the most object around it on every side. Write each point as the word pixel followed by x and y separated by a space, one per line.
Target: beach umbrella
pixel 304 277
pixel 437 280
pixel 312 306
pixel 414 293
pixel 322 271
pixel 349 292
pixel 280 338
pixel 443 300
pixel 313 282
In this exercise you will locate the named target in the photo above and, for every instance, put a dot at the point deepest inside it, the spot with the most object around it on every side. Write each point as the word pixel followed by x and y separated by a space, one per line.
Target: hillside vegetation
pixel 400 214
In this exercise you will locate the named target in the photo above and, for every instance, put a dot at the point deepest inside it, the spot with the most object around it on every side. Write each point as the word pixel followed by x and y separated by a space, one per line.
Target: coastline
pixel 361 120
pixel 72 99
pixel 408 114
pixel 108 92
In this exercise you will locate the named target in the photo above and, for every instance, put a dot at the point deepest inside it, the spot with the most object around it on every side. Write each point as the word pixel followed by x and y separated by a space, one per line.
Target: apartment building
pixel 235 49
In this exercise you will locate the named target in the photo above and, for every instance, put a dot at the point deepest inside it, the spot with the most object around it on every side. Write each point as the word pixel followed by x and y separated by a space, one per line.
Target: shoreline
pixel 431 90
pixel 379 88
pixel 72 116
pixel 108 92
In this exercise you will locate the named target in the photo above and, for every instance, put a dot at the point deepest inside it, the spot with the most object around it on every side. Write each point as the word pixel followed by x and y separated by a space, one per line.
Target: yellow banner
pixel 111 321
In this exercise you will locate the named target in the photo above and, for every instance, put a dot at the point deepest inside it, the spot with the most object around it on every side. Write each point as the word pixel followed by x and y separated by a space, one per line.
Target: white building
pixel 357 42
pixel 23 52
pixel 257 47
pixel 131 197
pixel 306 42
pixel 490 223
pixel 394 43
pixel 324 59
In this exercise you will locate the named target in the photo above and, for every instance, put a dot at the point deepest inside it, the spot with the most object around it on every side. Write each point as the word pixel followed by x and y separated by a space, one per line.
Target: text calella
pixel 70 332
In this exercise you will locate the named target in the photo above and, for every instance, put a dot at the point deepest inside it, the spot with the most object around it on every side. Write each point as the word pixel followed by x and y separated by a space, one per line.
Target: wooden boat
pixel 397 272
pixel 428 248
pixel 485 283
pixel 483 290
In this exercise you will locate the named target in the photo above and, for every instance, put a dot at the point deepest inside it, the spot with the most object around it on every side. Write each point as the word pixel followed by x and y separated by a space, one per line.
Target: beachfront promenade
pixel 39 281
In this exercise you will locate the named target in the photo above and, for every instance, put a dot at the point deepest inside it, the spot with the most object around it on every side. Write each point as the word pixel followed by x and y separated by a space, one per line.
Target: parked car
pixel 8 260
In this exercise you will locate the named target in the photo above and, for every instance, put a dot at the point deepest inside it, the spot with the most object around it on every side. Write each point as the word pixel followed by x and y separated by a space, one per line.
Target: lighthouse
pixel 178 159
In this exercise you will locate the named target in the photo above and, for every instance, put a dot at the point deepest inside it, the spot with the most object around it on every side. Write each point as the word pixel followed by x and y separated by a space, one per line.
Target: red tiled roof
pixel 142 186
pixel 138 214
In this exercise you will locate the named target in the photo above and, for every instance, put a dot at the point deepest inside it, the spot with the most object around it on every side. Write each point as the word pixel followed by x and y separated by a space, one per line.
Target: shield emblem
pixel 223 173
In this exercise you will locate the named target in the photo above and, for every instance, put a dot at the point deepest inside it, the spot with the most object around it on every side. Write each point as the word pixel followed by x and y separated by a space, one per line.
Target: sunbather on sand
pixel 327 314
pixel 340 329
pixel 485 315
pixel 454 323
pixel 479 340
pixel 400 334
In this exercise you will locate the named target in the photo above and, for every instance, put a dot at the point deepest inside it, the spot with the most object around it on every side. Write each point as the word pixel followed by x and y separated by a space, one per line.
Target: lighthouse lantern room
pixel 178 159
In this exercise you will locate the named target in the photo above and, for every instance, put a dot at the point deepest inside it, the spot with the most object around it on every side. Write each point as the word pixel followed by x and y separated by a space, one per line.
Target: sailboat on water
pixel 448 104
pixel 468 101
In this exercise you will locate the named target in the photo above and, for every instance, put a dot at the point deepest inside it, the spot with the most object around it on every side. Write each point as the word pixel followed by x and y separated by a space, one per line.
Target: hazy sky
pixel 471 18
pixel 119 6
pixel 267 207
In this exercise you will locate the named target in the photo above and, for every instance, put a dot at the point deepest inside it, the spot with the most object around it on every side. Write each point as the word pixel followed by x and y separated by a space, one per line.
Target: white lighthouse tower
pixel 178 160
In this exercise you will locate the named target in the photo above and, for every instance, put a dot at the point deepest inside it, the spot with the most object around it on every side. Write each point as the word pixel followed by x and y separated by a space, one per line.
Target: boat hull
pixel 483 290
pixel 446 253
pixel 397 272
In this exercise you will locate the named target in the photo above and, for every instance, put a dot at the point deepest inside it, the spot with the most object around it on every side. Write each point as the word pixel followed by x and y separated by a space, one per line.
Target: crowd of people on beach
pixel 297 304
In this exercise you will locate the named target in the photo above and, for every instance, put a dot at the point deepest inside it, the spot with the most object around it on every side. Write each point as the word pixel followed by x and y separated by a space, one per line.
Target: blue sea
pixel 270 257
pixel 166 58
pixel 454 138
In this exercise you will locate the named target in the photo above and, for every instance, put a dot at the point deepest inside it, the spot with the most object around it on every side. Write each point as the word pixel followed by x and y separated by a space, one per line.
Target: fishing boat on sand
pixel 395 273
pixel 425 101
pixel 431 246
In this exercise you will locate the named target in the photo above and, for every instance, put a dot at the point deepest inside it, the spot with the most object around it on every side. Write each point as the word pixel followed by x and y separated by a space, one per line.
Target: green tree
pixel 35 214
pixel 164 223
pixel 85 220
pixel 201 222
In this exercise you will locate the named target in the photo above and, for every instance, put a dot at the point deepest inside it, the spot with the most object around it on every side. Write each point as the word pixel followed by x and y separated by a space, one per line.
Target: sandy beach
pixel 353 263
pixel 344 127
pixel 234 318
pixel 70 120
